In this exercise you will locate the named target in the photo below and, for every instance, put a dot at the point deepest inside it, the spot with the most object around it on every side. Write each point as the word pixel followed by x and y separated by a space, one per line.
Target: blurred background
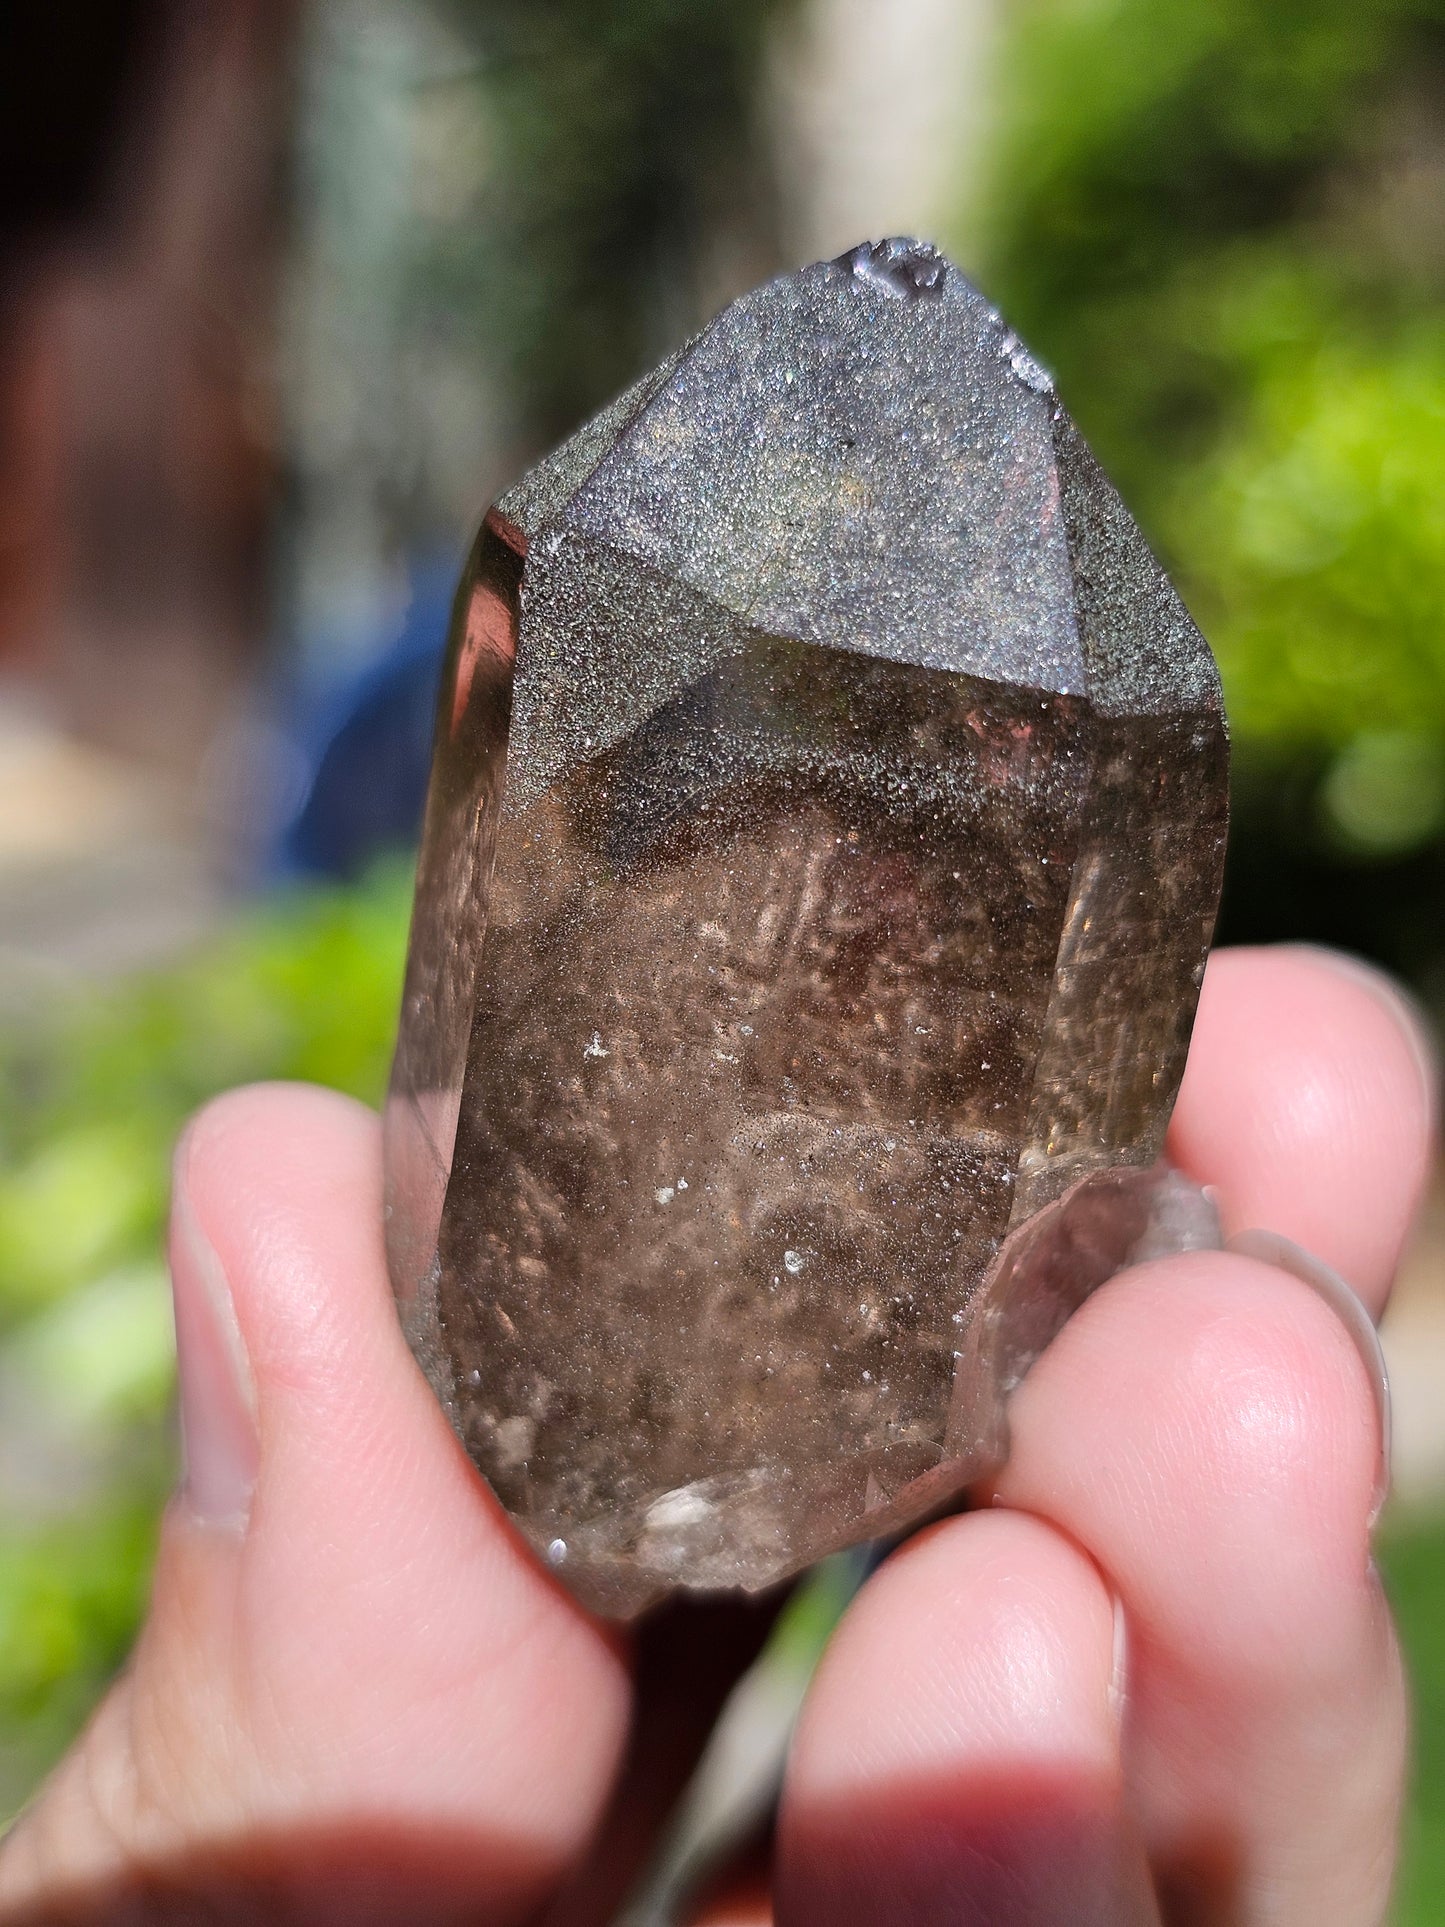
pixel 289 288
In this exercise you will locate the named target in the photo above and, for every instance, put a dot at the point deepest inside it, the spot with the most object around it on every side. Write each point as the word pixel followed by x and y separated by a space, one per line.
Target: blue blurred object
pixel 362 746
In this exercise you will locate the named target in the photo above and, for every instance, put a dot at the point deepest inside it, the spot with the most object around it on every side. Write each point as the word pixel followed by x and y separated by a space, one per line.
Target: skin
pixel 1154 1680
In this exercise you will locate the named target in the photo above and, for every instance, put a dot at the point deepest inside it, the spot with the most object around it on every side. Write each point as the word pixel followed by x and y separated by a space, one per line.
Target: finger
pixel 745 1903
pixel 958 1758
pixel 1205 1428
pixel 355 1692
pixel 1308 1102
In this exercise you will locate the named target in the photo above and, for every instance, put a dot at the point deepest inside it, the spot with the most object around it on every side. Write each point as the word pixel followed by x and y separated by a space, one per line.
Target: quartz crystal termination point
pixel 822 850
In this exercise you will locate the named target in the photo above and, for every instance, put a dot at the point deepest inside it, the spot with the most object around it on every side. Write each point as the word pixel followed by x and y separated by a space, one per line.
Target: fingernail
pixel 220 1445
pixel 1270 1249
pixel 1119 1668
pixel 1414 1024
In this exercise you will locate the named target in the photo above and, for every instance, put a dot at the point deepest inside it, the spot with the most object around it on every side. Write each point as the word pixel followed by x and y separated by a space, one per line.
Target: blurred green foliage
pixel 91 1101
pixel 1412 1558
pixel 625 164
pixel 1223 223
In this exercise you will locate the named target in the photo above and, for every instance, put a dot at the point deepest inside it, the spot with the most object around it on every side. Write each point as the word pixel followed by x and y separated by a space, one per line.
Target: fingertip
pixel 1206 1426
pixel 1398 1002
pixel 271 1114
pixel 988 1632
pixel 232 1168
pixel 280 1182
pixel 1308 1104
pixel 958 1754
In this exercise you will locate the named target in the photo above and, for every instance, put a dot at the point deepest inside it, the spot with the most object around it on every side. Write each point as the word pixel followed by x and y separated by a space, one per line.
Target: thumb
pixel 356 1696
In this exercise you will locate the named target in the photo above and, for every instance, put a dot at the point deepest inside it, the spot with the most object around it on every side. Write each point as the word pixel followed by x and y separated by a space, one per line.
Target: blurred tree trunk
pixel 142 448
pixel 879 107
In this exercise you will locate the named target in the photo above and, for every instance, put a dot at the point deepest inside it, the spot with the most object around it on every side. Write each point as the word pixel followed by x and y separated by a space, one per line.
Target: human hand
pixel 1155 1680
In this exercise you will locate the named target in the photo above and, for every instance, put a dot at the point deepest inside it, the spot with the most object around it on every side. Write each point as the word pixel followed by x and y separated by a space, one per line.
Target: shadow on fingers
pixel 1021 1847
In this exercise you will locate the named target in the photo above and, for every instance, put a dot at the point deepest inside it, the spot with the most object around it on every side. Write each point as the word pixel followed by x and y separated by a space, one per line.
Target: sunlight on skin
pixel 356 1691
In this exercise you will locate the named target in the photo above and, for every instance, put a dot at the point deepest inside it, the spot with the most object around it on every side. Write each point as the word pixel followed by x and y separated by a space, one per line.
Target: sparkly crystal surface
pixel 822 850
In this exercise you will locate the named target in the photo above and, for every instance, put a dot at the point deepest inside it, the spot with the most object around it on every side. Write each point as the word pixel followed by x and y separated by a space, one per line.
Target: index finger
pixel 1309 1104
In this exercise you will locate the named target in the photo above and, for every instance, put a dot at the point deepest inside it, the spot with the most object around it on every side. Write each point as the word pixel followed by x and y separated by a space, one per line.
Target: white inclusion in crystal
pixel 682 1184
pixel 664 1194
pixel 557 1552
pixel 794 1260
pixel 679 1510
pixel 595 1047
pixel 515 1439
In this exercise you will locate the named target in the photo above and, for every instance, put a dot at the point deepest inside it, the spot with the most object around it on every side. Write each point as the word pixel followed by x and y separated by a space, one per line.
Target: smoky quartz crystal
pixel 823 846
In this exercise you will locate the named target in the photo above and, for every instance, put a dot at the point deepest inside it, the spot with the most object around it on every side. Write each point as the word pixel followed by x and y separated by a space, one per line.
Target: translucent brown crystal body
pixel 822 851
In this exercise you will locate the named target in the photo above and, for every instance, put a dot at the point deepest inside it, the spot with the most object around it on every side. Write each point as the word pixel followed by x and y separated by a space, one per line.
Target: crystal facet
pixel 822 850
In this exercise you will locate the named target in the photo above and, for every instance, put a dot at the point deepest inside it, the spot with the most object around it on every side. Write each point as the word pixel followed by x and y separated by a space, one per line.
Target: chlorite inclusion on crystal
pixel 823 846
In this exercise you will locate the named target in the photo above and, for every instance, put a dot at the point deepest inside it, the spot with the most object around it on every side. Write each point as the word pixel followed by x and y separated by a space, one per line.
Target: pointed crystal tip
pixel 898 265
